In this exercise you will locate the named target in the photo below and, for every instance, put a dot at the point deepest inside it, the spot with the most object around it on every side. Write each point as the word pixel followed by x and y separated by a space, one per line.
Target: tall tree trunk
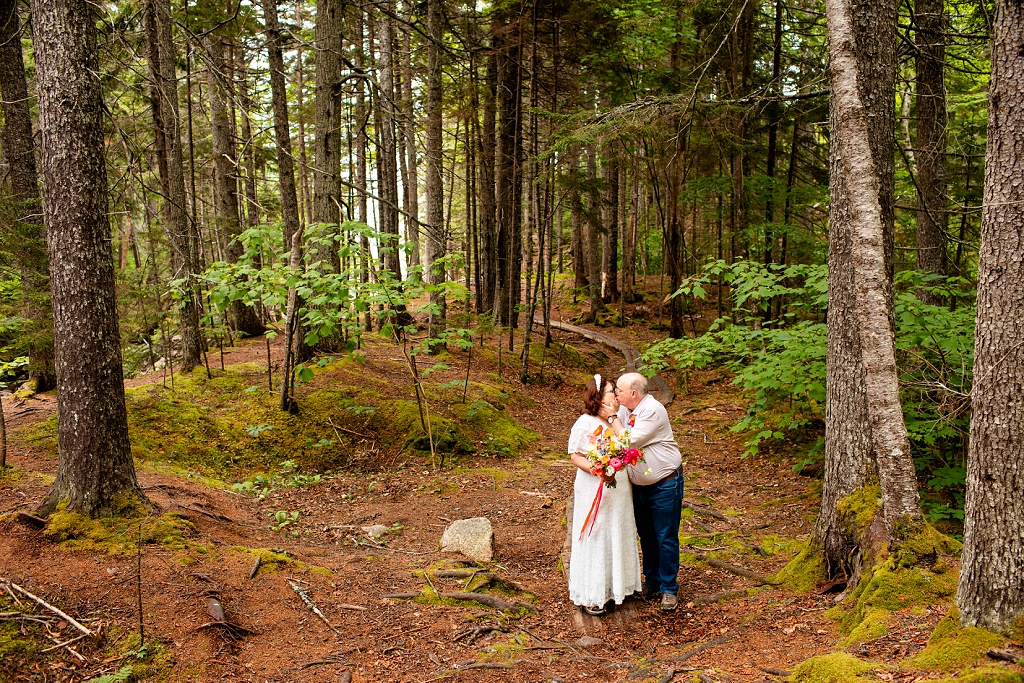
pixel 856 167
pixel 29 242
pixel 282 134
pixel 306 205
pixel 182 234
pixel 610 213
pixel 488 256
pixel 387 160
pixel 508 185
pixel 932 218
pixel 592 236
pixel 435 232
pixel 327 144
pixel 849 456
pixel 95 473
pixel 225 177
pixel 991 593
pixel 412 180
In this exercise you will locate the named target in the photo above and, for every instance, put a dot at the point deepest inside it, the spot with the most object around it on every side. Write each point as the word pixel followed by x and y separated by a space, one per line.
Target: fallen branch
pixel 400 596
pixel 482 598
pixel 304 594
pixel 731 568
pixel 781 673
pixel 256 567
pixel 481 665
pixel 697 650
pixel 345 605
pixel 1005 655
pixel 716 597
pixel 64 644
pixel 42 603
pixel 701 510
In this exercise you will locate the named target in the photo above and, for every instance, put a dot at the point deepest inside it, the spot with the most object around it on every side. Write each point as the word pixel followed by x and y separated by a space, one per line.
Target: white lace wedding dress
pixel 605 563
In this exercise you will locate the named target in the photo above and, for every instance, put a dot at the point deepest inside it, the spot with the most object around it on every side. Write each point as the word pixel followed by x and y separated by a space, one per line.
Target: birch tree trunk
pixel 856 166
pixel 991 592
pixel 849 456
pixel 95 472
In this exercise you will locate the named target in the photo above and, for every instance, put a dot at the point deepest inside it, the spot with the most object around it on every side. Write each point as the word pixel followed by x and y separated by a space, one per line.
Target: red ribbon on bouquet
pixel 592 515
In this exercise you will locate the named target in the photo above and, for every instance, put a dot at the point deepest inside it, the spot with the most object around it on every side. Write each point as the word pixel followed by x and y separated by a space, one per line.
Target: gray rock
pixel 473 537
pixel 588 641
pixel 376 531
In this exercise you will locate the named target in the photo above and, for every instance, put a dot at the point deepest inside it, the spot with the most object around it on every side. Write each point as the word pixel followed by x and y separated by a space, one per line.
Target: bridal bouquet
pixel 611 452
pixel 608 453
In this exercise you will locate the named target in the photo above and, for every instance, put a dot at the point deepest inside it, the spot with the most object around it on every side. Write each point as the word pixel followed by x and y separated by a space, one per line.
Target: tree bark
pixel 849 457
pixel 387 161
pixel 29 239
pixel 95 473
pixel 181 233
pixel 488 257
pixel 435 233
pixel 932 219
pixel 592 236
pixel 610 213
pixel 225 177
pixel 873 308
pixel 327 121
pixel 991 593
pixel 282 134
pixel 412 180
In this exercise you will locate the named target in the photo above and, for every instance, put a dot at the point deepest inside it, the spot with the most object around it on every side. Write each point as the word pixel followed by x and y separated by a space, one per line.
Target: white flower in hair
pixel 597 383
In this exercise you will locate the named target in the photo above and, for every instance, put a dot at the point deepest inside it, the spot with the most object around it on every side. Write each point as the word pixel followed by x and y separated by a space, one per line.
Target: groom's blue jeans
pixel 657 509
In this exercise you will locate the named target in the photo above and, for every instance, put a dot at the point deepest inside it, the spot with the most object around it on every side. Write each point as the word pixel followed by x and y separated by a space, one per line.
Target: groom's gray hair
pixel 635 381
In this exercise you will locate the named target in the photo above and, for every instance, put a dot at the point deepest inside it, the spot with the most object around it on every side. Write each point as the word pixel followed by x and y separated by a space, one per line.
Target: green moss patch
pixel 990 674
pixel 273 560
pixel 838 667
pixel 118 535
pixel 803 572
pixel 952 647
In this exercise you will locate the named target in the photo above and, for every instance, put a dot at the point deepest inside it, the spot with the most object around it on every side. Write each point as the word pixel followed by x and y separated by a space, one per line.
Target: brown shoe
pixel 647 593
pixel 669 602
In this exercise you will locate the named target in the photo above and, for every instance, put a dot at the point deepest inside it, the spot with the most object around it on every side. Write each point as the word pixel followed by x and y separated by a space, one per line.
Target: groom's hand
pixel 606 411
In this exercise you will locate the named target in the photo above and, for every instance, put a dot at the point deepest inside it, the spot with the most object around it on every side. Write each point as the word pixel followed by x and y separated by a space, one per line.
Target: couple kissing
pixel 629 482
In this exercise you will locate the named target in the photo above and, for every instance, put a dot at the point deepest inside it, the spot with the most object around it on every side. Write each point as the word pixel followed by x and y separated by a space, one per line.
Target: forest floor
pixel 756 632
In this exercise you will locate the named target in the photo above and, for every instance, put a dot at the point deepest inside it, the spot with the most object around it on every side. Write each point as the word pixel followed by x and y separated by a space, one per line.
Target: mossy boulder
pixel 838 667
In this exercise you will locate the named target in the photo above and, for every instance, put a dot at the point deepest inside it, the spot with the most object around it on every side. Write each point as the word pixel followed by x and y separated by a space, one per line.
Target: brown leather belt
pixel 671 476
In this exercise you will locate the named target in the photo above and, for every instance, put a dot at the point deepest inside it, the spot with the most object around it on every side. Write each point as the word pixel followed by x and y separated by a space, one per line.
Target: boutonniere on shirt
pixel 632 420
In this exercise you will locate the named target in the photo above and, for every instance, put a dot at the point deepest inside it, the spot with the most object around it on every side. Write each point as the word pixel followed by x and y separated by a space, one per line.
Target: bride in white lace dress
pixel 605 562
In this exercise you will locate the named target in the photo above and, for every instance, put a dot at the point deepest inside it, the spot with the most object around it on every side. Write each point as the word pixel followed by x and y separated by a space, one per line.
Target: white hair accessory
pixel 597 383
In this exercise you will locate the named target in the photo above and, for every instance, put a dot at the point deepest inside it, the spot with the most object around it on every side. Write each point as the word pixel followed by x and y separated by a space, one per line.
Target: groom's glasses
pixel 615 390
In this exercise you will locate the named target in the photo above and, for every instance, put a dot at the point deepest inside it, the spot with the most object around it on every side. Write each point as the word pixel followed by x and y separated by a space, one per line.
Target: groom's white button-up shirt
pixel 652 432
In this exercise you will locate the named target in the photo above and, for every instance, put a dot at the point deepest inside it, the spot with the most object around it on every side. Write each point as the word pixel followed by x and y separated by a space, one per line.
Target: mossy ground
pixel 803 572
pixel 838 667
pixel 229 428
pixel 954 648
pixel 274 560
pixel 121 535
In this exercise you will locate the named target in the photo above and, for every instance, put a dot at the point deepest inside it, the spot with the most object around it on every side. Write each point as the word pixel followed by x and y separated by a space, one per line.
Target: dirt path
pixel 662 391
pixel 748 511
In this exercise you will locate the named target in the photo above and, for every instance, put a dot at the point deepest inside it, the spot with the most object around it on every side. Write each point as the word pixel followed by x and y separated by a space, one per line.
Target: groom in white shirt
pixel 657 485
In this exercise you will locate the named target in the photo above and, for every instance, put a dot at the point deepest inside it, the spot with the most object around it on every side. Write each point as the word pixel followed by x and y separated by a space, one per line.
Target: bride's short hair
pixel 592 396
